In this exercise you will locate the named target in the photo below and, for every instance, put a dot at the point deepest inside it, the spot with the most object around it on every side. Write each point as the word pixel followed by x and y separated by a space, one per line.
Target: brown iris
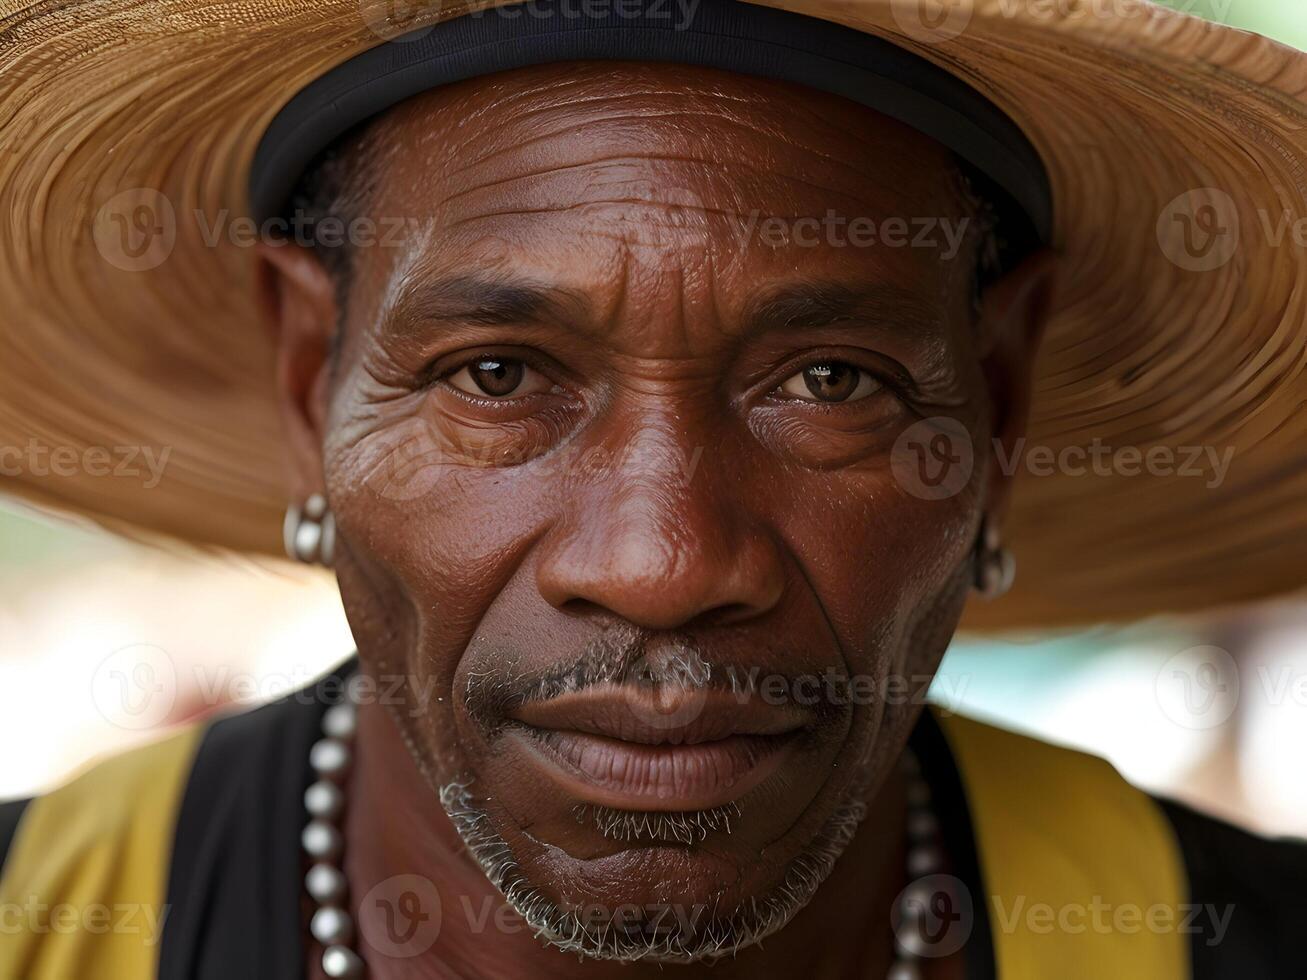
pixel 831 382
pixel 495 376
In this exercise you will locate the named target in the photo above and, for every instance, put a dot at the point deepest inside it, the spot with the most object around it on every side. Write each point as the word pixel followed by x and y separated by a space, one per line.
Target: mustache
pixel 620 655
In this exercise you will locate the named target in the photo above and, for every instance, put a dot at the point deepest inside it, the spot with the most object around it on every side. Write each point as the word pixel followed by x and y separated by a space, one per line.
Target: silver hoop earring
pixel 309 532
pixel 996 567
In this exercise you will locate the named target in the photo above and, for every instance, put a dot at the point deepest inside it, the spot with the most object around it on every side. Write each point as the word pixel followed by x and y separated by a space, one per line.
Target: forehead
pixel 608 178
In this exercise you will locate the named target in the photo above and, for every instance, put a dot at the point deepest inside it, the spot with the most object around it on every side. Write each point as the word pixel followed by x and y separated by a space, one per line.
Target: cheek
pixel 877 558
pixel 449 535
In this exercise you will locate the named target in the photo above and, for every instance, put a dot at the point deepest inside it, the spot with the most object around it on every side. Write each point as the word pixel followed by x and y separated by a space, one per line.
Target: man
pixel 652 458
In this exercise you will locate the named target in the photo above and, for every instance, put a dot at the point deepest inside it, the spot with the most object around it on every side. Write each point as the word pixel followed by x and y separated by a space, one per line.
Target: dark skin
pixel 583 287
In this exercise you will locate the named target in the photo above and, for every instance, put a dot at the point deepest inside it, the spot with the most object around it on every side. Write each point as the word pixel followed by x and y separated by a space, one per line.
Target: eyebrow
pixel 481 299
pixel 820 304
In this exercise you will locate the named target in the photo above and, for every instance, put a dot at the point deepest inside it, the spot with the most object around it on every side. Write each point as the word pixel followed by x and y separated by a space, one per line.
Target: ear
pixel 1013 314
pixel 298 302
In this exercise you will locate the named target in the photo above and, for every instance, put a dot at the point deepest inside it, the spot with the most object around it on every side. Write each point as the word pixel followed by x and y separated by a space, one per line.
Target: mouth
pixel 666 750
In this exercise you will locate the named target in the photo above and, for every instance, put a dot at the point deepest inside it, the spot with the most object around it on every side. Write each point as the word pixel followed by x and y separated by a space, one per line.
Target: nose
pixel 661 552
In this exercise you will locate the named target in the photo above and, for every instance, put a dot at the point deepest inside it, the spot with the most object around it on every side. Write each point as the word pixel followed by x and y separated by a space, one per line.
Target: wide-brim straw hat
pixel 1175 149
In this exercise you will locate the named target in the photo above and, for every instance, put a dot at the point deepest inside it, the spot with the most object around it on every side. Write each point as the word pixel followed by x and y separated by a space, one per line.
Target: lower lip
pixel 627 775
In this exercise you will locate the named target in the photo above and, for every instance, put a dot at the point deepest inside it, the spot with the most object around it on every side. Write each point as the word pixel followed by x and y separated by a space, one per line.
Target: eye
pixel 830 381
pixel 489 376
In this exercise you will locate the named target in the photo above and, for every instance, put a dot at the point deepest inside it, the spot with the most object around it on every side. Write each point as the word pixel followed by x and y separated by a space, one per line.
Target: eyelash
pixel 442 369
pixel 891 377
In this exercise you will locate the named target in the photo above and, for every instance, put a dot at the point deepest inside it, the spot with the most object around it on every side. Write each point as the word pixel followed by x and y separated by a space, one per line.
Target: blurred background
pixel 1213 713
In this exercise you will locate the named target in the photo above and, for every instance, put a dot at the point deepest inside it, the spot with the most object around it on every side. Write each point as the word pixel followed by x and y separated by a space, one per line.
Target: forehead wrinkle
pixel 638 113
pixel 705 146
pixel 569 130
pixel 725 200
pixel 761 113
pixel 709 165
pixel 767 174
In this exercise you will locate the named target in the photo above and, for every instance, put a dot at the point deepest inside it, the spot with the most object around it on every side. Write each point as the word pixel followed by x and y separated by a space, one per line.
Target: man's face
pixel 610 439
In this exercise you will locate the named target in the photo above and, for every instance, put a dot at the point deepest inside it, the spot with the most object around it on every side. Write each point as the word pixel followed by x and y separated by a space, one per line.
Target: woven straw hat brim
pixel 1153 124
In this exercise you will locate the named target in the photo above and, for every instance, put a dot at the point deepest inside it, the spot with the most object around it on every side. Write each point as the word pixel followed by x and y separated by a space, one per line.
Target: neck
pixel 395 826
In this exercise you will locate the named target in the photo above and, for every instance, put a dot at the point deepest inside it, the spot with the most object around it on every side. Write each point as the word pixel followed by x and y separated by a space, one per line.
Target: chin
pixel 657 886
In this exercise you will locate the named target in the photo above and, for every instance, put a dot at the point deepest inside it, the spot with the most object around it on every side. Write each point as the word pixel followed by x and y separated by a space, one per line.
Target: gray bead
pixel 340 721
pixel 327 541
pixel 923 860
pixel 922 825
pixel 307 540
pixel 332 926
pixel 914 900
pixel 912 943
pixel 326 883
pixel 329 757
pixel 909 762
pixel 338 961
pixel 904 970
pixel 321 840
pixel 324 799
pixel 315 507
pixel 918 794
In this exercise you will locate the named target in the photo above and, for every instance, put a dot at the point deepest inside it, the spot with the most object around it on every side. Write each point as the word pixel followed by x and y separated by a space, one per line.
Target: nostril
pixel 583 608
pixel 725 615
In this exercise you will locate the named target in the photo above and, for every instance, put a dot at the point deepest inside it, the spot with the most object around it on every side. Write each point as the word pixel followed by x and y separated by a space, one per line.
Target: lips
pixel 668 748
